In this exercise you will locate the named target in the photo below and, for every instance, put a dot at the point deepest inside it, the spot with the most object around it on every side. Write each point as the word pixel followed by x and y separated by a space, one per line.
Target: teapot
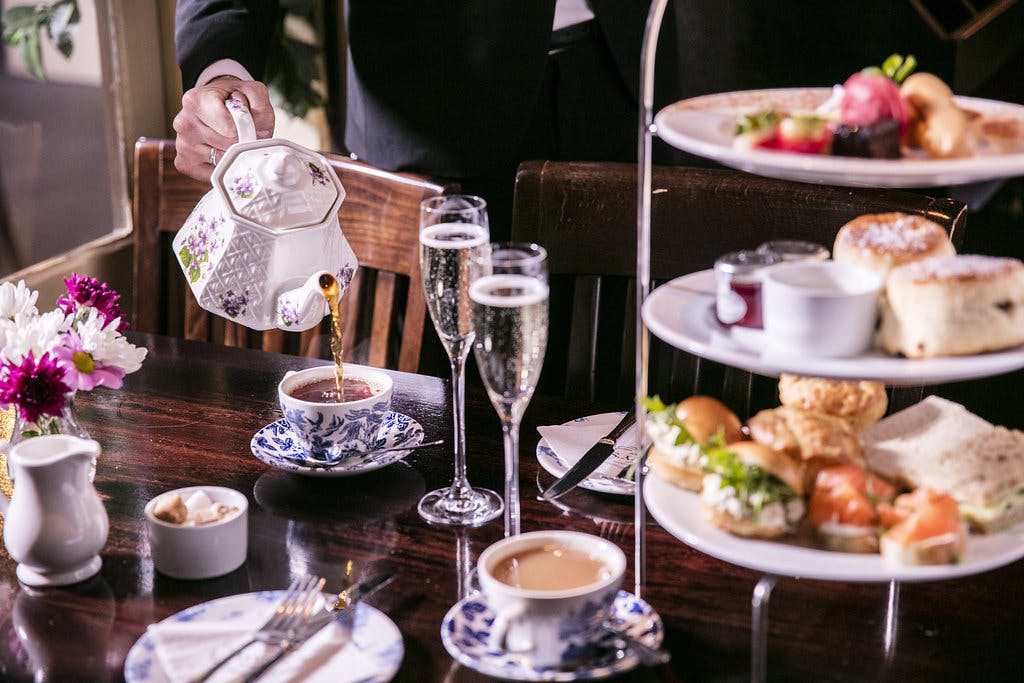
pixel 55 523
pixel 254 248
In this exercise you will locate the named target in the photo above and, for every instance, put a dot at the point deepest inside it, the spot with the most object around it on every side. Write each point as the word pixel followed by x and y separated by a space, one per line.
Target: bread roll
pixel 860 403
pixel 951 306
pixel 704 416
pixel 814 440
pixel 684 473
pixel 883 241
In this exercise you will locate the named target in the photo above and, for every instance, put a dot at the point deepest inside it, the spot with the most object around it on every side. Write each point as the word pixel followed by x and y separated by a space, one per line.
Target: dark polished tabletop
pixel 187 418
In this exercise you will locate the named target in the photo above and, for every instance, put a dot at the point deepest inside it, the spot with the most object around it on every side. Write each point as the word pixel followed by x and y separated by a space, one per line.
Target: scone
pixel 883 241
pixel 860 403
pixel 952 306
pixel 815 440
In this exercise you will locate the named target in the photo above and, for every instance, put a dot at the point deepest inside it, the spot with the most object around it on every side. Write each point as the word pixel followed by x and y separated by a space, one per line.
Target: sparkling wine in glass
pixel 454 251
pixel 510 316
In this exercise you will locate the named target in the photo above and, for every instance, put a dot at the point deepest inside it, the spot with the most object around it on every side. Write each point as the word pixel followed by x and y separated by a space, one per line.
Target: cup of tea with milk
pixel 550 591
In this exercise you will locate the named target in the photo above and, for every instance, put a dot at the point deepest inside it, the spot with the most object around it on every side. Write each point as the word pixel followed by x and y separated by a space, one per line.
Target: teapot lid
pixel 275 183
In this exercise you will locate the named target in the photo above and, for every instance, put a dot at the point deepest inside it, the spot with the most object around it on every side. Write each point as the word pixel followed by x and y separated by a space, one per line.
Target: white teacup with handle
pixel 549 591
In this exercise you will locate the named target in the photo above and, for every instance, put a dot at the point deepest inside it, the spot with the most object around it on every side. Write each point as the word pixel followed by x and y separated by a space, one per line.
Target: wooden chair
pixel 384 310
pixel 584 213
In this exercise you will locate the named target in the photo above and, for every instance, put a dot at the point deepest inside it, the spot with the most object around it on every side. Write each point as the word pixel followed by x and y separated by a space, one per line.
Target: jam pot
pixel 738 277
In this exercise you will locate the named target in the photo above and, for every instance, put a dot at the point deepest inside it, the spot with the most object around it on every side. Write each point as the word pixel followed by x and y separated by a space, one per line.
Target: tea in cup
pixel 326 428
pixel 549 591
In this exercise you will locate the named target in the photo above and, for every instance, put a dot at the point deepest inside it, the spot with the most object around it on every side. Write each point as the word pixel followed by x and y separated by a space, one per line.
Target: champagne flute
pixel 510 316
pixel 454 250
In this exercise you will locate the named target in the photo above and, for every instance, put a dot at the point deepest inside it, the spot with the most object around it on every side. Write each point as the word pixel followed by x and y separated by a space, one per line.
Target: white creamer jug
pixel 255 246
pixel 55 523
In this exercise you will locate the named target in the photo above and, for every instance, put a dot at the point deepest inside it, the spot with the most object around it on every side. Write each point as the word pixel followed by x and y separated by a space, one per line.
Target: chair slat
pixel 383 302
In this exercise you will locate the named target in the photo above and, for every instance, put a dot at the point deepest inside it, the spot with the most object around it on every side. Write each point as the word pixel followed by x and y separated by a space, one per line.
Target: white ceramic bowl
pixel 820 308
pixel 332 431
pixel 200 552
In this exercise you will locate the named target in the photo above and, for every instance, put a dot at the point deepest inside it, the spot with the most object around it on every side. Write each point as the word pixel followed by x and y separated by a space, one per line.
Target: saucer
pixel 374 635
pixel 605 479
pixel 465 629
pixel 277 446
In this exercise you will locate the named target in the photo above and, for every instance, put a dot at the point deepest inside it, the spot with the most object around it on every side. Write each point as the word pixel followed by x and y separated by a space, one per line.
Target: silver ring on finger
pixel 213 156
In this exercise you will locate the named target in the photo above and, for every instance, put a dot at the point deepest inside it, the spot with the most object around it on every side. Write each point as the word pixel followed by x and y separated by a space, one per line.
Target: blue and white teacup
pixel 549 627
pixel 332 431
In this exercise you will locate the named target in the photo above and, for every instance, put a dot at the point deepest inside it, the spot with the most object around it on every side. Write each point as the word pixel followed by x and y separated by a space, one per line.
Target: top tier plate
pixel 682 313
pixel 704 126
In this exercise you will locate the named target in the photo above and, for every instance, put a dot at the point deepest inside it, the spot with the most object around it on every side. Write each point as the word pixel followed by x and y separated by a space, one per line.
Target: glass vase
pixel 65 423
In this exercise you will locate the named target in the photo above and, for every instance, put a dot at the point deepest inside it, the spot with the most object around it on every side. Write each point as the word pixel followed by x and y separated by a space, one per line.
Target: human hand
pixel 205 127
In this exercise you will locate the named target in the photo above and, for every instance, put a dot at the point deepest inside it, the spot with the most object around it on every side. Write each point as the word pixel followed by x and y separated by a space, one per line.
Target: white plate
pixel 277 439
pixel 605 478
pixel 678 511
pixel 704 126
pixel 373 634
pixel 466 628
pixel 681 312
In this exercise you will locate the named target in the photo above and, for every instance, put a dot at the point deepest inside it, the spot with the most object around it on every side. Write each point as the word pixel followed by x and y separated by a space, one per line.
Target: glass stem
pixel 510 436
pixel 460 489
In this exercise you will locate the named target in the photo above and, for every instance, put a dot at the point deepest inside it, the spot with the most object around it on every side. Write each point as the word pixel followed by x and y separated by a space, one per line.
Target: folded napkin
pixel 186 649
pixel 570 441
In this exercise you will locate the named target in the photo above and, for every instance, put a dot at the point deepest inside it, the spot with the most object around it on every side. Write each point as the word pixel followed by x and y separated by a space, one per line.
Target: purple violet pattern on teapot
pixel 344 277
pixel 244 186
pixel 288 312
pixel 234 304
pixel 203 240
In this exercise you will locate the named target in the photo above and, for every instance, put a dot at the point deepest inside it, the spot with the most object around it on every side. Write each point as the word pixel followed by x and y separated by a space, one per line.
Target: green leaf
pixel 23 16
pixel 32 55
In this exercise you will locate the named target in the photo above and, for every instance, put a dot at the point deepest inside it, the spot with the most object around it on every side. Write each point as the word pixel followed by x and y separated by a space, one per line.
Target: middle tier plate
pixel 682 313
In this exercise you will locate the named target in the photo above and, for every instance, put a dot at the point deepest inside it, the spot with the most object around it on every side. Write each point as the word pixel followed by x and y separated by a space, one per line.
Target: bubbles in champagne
pixel 452 255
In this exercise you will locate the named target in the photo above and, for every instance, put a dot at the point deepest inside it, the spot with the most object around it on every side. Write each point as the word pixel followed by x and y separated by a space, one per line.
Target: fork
pixel 294 609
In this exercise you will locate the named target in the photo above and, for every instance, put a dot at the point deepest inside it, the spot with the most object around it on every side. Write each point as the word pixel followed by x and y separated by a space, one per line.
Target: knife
pixel 342 613
pixel 590 461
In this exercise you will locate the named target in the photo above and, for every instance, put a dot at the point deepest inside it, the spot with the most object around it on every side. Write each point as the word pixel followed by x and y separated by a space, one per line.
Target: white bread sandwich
pixel 751 490
pixel 679 433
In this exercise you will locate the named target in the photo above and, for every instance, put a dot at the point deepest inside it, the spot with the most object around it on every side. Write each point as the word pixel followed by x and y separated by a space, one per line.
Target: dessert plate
pixel 376 641
pixel 682 313
pixel 608 477
pixel 679 512
pixel 704 126
pixel 277 446
pixel 466 627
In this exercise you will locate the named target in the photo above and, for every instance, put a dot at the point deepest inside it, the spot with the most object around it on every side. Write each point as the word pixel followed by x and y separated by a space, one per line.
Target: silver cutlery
pixel 648 656
pixel 342 613
pixel 590 461
pixel 362 457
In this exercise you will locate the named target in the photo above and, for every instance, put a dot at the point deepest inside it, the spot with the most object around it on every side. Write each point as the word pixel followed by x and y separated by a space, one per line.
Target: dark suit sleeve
pixel 208 30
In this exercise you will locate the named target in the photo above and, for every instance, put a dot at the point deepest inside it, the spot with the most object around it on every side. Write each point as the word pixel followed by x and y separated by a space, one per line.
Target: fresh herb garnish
pixel 766 119
pixel 667 413
pixel 746 480
pixel 896 66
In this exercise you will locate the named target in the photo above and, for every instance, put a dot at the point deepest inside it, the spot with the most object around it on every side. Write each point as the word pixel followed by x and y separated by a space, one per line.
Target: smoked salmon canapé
pixel 924 527
pixel 843 508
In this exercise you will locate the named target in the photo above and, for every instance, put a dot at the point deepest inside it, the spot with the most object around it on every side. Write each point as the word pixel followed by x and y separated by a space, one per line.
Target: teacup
pixel 331 431
pixel 548 609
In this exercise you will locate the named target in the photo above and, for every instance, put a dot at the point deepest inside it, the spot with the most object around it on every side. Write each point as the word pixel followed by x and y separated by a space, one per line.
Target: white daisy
pixel 107 346
pixel 15 299
pixel 36 333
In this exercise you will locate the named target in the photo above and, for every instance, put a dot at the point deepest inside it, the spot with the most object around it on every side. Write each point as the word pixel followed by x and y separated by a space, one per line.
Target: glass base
pixel 478 507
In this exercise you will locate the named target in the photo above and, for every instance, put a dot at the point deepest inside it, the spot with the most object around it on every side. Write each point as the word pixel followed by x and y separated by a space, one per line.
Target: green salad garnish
pixel 766 119
pixel 753 485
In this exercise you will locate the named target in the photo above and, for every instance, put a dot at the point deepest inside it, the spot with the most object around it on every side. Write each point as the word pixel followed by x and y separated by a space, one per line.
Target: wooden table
pixel 187 417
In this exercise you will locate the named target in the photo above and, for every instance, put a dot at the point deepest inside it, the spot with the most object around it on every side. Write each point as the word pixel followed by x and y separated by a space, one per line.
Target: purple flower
pixel 81 370
pixel 88 291
pixel 37 388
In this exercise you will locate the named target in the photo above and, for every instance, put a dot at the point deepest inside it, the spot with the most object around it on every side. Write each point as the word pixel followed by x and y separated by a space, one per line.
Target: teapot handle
pixel 243 119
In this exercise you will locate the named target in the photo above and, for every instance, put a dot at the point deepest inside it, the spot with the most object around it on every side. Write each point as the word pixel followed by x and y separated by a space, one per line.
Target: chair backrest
pixel 384 310
pixel 584 213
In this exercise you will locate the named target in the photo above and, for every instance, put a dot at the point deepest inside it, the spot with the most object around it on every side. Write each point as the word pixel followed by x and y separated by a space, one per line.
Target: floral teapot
pixel 255 246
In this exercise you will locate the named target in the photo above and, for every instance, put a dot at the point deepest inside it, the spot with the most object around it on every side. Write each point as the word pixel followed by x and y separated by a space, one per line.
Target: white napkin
pixel 186 649
pixel 571 441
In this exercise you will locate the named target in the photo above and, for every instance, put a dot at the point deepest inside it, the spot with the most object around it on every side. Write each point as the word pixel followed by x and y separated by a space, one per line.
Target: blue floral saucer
pixel 277 446
pixel 466 627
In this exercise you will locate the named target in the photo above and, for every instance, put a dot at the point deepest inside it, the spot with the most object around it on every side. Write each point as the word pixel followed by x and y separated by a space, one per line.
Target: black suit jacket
pixel 445 87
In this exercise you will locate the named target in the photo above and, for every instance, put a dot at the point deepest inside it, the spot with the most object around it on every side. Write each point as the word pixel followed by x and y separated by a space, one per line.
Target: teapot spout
pixel 304 307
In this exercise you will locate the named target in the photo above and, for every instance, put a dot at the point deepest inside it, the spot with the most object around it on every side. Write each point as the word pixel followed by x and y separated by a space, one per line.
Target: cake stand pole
pixel 759 627
pixel 643 274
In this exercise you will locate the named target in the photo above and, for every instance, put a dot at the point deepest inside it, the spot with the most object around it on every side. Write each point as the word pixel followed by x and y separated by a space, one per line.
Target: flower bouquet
pixel 45 358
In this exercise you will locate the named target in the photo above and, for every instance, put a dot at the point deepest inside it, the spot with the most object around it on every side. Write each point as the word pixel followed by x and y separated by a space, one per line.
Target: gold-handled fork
pixel 295 609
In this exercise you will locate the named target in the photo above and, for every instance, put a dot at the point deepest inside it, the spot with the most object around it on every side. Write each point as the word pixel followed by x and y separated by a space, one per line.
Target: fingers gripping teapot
pixel 256 245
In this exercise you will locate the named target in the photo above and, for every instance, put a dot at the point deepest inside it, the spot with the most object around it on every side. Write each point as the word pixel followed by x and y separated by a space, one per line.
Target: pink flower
pixel 81 370
pixel 88 291
pixel 35 387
